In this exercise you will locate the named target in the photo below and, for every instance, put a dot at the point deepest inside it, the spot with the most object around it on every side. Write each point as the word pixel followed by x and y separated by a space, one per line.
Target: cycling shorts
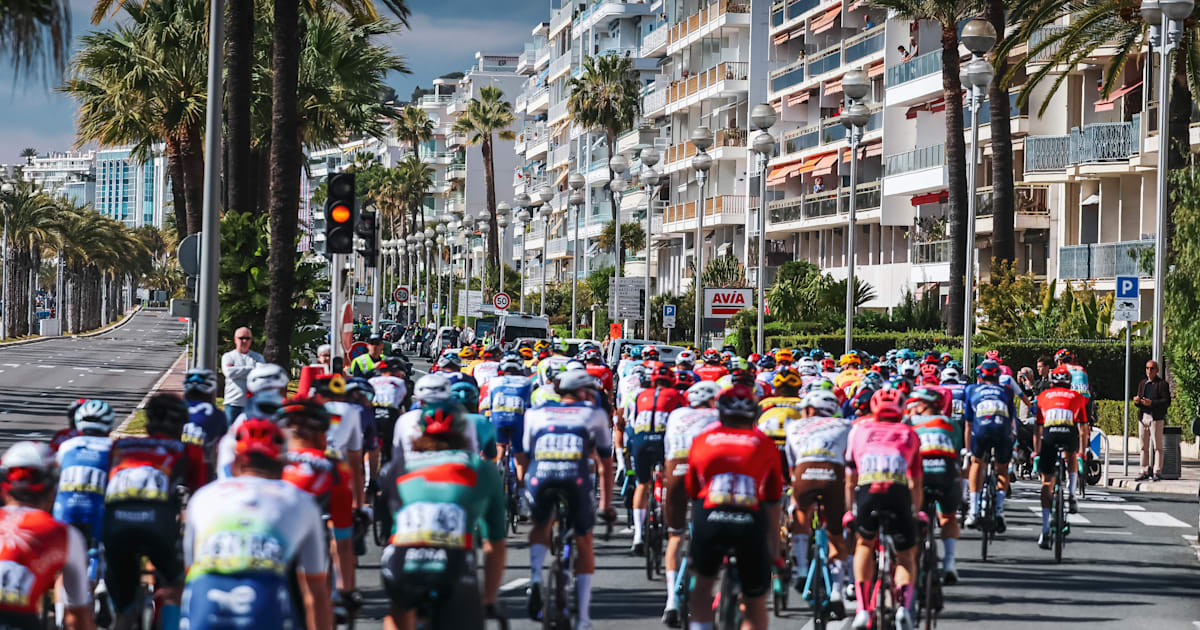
pixel 84 510
pixel 995 437
pixel 1053 438
pixel 821 483
pixel 542 492
pixel 647 450
pixel 896 500
pixel 718 532
pixel 370 428
pixel 140 528
pixel 675 496
pixel 232 602
pixel 385 419
pixel 512 434
pixel 443 579
pixel 944 488
pixel 20 621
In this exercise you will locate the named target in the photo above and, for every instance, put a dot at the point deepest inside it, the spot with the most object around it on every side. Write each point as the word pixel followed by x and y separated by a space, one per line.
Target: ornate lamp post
pixel 650 179
pixel 502 212
pixel 576 182
pixel 978 36
pixel 522 219
pixel 763 118
pixel 545 194
pixel 702 139
pixel 856 84
pixel 618 164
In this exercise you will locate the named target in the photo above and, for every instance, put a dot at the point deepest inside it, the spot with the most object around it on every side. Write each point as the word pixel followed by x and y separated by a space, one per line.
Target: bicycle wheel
pixel 684 596
pixel 820 595
pixel 930 583
pixel 1060 522
pixel 727 610
pixel 554 608
pixel 381 522
pixel 648 540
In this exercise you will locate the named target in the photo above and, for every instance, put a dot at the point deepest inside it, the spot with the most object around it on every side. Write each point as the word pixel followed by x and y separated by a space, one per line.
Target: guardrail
pixel 915 160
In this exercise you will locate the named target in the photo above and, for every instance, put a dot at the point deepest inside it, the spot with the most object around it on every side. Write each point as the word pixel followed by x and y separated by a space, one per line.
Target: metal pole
pixel 762 250
pixel 575 268
pixel 1125 416
pixel 450 292
pixel 4 290
pixel 376 300
pixel 437 269
pixel 968 297
pixel 649 227
pixel 545 242
pixel 523 236
pixel 210 248
pixel 851 232
pixel 701 178
pixel 335 310
pixel 429 288
pixel 1160 237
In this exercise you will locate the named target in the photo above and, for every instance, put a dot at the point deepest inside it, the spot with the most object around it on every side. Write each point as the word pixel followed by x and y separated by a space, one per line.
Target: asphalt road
pixel 1131 562
pixel 39 380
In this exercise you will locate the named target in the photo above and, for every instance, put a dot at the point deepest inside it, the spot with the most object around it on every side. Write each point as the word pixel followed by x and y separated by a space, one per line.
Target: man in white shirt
pixel 236 366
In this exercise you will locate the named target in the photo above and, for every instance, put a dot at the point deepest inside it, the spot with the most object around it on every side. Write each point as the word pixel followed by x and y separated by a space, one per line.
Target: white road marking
pixel 149 372
pixel 70 381
pixel 514 585
pixel 1157 519
pixel 1104 506
pixel 58 387
pixel 1010 528
pixel 48 367
pixel 1074 519
pixel 83 369
pixel 12 365
pixel 115 370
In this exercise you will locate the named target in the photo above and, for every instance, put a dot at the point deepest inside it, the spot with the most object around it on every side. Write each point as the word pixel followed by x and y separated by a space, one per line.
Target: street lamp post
pixel 522 219
pixel 502 211
pixel 441 239
pixel 576 183
pixel 978 36
pixel 650 178
pixel 856 84
pixel 6 188
pixel 544 213
pixel 702 139
pixel 618 165
pixel 429 235
pixel 1170 15
pixel 763 118
pixel 484 226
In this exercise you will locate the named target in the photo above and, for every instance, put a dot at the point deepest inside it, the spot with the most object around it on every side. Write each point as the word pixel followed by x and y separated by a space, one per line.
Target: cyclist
pixel 432 388
pixel 205 424
pixel 735 480
pixel 784 358
pixel 593 362
pixel 563 439
pixel 684 362
pixel 648 415
pixel 35 547
pixel 391 389
pixel 1079 384
pixel 1060 412
pixel 683 425
pixel 527 357
pixel 345 436
pixel 360 394
pixel 62 435
pixel 712 370
pixel 307 467
pixel 766 368
pixel 631 357
pixel 553 364
pixel 438 498
pixel 266 386
pixel 941 441
pixel 508 399
pixel 245 534
pixel 884 477
pixel 783 408
pixel 83 461
pixel 468 358
pixel 989 414
pixel 488 366
pixel 466 395
pixel 851 372
pixel 650 357
pixel 142 507
pixel 816 456
pixel 828 368
pixel 741 372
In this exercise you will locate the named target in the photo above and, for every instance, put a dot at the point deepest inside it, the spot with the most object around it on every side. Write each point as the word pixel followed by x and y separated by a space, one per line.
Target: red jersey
pixel 329 481
pixel 603 373
pixel 708 372
pixel 61 436
pixel 652 407
pixel 737 468
pixel 33 549
pixel 150 468
pixel 1059 406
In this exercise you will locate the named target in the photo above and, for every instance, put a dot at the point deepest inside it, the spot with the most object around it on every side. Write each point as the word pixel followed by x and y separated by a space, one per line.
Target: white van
pixel 512 327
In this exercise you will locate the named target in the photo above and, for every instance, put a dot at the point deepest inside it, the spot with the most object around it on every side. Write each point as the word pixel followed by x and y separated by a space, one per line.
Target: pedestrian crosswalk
pixel 1099 502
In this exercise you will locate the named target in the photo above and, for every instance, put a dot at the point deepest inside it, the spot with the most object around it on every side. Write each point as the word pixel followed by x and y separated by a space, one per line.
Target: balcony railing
pixel 537 94
pixel 557 110
pixel 1098 142
pixel 1030 199
pixel 560 64
pixel 985 111
pixel 560 154
pixel 1047 153
pixel 533 134
pixel 825 61
pixel 826 204
pixel 868 196
pixel 1103 260
pixel 819 205
pixel 724 71
pixel 932 252
pixel 721 204
pixel 1041 35
pixel 456 171
pixel 655 39
pixel 723 138
pixel 915 68
pixel 693 22
pixel 785 210
pixel 862 45
pixel 915 160
pixel 800 7
pixel 802 139
pixel 655 100
pixel 435 99
pixel 787 76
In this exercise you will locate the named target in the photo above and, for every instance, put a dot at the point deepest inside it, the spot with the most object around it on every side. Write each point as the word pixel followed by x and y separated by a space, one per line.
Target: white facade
pixel 68 173
pixel 131 192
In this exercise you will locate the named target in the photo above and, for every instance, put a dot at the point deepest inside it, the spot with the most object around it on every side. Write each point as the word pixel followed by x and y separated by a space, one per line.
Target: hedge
pixel 1109 415
pixel 875 343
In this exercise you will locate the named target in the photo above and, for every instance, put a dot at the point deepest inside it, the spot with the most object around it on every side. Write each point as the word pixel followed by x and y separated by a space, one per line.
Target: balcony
pixel 712 13
pixel 521 102
pixel 785 210
pixel 559 248
pixel 723 138
pixel 654 100
pixel 526 60
pixel 1038 37
pixel 1047 153
pixel 915 160
pixel 915 68
pixel 781 14
pixel 560 155
pixel 787 76
pixel 457 170
pixel 912 172
pixel 560 19
pixel 434 100
pixel 827 60
pixel 655 42
pixel 723 209
pixel 826 204
pixel 932 252
pixel 1031 200
pixel 1103 260
pixel 558 111
pixel 802 139
pixel 724 71
pixel 865 44
pixel 539 100
pixel 456 204
pixel 1093 144
pixel 560 66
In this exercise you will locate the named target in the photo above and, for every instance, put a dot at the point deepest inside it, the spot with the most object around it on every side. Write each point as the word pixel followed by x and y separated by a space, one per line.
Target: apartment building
pixel 129 190
pixel 71 174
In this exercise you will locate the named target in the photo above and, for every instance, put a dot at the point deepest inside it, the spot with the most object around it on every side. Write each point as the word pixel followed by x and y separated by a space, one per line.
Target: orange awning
pixel 811 163
pixel 875 70
pixel 779 174
pixel 825 22
pixel 933 197
pixel 561 178
pixel 1105 105
pixel 798 98
pixel 825 166
pixel 833 87
pixel 868 150
pixel 797 31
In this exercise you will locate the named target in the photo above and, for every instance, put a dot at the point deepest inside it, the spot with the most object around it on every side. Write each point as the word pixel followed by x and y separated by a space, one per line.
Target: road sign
pixel 183 308
pixel 189 254
pixel 400 294
pixel 625 297
pixel 725 303
pixel 668 315
pixel 358 349
pixel 1127 309
pixel 470 303
pixel 1127 287
pixel 501 301
pixel 348 325
pixel 435 307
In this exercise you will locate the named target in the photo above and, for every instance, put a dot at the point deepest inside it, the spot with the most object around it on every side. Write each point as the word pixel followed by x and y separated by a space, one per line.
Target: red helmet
pixel 888 404
pixel 754 357
pixel 711 356
pixel 1060 376
pixel 684 379
pixel 930 369
pixel 261 436
pixel 1064 356
pixel 992 354
pixel 662 376
pixel 828 364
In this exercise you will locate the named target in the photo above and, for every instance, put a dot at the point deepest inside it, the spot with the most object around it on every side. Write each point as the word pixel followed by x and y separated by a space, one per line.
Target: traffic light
pixel 340 214
pixel 366 228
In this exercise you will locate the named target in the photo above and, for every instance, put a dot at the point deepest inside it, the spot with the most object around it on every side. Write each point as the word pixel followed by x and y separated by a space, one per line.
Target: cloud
pixel 434 46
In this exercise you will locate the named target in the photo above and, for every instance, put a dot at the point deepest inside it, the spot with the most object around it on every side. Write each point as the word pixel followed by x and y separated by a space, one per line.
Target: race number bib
pixel 650 421
pixel 1058 417
pixel 558 446
pixel 732 489
pixel 83 479
pixel 192 434
pixel 237 551
pixel 431 524
pixel 509 404
pixel 142 482
pixel 937 444
pixel 16 583
pixel 990 409
pixel 678 445
pixel 882 468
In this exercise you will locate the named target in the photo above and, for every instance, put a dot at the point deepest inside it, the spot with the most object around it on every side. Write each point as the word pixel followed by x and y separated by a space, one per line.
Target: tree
pixel 29 153
pixel 724 272
pixel 31 29
pixel 633 238
pixel 1003 196
pixel 1182 297
pixel 414 127
pixel 948 13
pixel 29 213
pixel 240 168
pixel 488 114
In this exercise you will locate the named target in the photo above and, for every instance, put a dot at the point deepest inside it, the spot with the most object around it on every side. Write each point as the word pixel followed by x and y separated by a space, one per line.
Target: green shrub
pixel 1108 413
pixel 1104 361
pixel 875 343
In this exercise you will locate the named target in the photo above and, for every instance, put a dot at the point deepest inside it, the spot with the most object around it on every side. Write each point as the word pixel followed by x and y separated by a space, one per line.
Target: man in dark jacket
pixel 1152 400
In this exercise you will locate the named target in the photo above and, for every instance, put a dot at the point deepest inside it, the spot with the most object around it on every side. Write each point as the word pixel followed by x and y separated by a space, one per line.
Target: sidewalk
pixel 1188 482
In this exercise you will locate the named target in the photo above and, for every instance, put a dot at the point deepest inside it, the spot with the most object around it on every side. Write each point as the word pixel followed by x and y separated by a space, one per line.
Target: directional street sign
pixel 189 254
pixel 400 294
pixel 668 315
pixel 625 297
pixel 501 301
pixel 1127 304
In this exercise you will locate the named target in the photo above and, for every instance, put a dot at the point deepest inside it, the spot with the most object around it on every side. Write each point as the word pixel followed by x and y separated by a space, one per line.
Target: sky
pixel 444 36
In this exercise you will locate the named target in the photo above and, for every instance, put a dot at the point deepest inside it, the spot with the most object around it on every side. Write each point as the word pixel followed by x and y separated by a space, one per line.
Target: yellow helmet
pixel 784 355
pixel 849 359
pixel 787 377
pixel 541 344
pixel 467 353
pixel 526 352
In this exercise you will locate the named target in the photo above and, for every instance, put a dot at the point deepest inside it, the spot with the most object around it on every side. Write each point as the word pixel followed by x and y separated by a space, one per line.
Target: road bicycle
pixel 929 575
pixel 684 584
pixel 987 505
pixel 512 490
pixel 818 583
pixel 655 531
pixel 559 608
pixel 784 569
pixel 728 603
pixel 1058 511
pixel 883 591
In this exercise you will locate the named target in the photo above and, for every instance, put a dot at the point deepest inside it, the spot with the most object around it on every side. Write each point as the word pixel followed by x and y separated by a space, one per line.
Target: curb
pixel 1167 486
pixel 153 390
pixel 111 327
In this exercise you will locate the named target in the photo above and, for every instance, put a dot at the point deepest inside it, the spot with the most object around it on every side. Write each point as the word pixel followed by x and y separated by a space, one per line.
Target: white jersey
pixel 816 439
pixel 485 371
pixel 249 524
pixel 554 420
pixel 683 425
pixel 345 432
pixel 408 429
pixel 389 390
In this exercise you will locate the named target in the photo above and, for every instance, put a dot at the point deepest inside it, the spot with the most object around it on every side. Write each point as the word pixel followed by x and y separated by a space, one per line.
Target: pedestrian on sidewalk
pixel 1152 400
pixel 236 366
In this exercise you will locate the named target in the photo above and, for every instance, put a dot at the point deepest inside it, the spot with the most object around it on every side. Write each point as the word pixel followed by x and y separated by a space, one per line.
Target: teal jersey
pixel 485 431
pixel 437 499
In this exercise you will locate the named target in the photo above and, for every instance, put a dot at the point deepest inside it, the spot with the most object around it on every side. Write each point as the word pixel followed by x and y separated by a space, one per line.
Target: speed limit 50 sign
pixel 501 301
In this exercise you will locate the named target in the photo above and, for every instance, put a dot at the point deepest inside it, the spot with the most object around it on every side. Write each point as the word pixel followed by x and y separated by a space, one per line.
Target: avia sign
pixel 725 303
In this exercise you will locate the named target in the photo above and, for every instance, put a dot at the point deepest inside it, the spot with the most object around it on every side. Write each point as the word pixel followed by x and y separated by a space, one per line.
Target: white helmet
pixel 686 357
pixel 32 455
pixel 201 380
pixel 94 415
pixel 808 367
pixel 951 375
pixel 910 369
pixel 266 376
pixel 702 393
pixel 823 400
pixel 576 365
pixel 432 388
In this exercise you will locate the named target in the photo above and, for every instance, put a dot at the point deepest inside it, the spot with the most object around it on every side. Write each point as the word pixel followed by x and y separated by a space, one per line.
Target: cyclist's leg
pixel 675 516
pixel 809 482
pixel 833 502
pixel 753 550
pixel 903 529
pixel 541 505
pixel 947 507
pixel 704 559
pixel 1003 455
pixel 643 468
pixel 867 529
pixel 582 506
pixel 123 570
pixel 1047 457
pixel 1083 431
pixel 161 545
pixel 979 443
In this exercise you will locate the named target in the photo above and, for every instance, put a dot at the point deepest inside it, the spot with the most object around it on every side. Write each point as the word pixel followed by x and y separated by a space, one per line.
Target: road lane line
pixel 1075 519
pixel 83 369
pixel 1106 532
pixel 1157 519
pixel 514 585
pixel 115 370
pixel 12 365
pixel 47 367
pixel 149 372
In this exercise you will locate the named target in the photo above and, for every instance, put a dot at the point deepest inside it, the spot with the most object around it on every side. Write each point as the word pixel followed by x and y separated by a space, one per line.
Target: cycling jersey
pixel 243 536
pixel 1079 380
pixel 777 413
pixel 988 404
pixel 734 469
pixel 485 371
pixel 1061 407
pixel 561 438
pixel 390 391
pixel 62 435
pixel 817 440
pixel 683 425
pixel 691 373
pixel 601 372
pixel 766 376
pixel 940 443
pixel 649 411
pixel 884 454
pixel 150 468
pixel 550 366
pixel 438 497
pixel 958 402
pixel 543 396
pixel 709 372
pixel 761 389
pixel 847 377
pixel 508 398
pixel 83 461
pixel 485 432
pixel 345 432
pixel 205 425
pixel 408 429
pixel 34 548
pixel 330 482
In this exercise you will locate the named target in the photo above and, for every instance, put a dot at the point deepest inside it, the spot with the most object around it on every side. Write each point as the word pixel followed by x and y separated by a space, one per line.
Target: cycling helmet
pixel 872 379
pixel 94 415
pixel 259 436
pixel 910 369
pixel 266 376
pixel 754 358
pixel 951 375
pixel 1064 356
pixel 887 401
pixel 784 356
pixel 827 364
pixel 823 401
pixel 820 383
pixel 711 356
pixel 890 355
pixel 686 358
pixel 1060 376
pixel 930 370
pixel 989 370
pixel 956 364
pixel 650 353
pixel 28 470
pixel 946 356
pixel 635 352
pixel 71 410
pixel 329 385
pixel 808 367
pixel 931 357
pixel 684 380
pixel 861 401
pixel 572 365
pixel 592 355
pixel 993 355
pixel 787 377
pixel 467 353
pixel 702 393
pixel 926 395
pixel 727 357
pixel 449 362
pixel 200 380
pixel 662 376
pixel 642 374
pixel 737 403
pixel 512 364
pixel 572 381
pixel 491 352
pixel 465 394
pixel 899 384
pixel 904 354
pixel 541 344
pixel 766 362
pixel 361 385
pixel 166 413
pixel 848 359
pixel 816 354
pixel 525 351
pixel 304 413
pixel 440 417
pixel 432 388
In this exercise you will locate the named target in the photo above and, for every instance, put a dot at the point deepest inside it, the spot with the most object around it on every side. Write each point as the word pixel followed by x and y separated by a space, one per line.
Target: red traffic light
pixel 340 213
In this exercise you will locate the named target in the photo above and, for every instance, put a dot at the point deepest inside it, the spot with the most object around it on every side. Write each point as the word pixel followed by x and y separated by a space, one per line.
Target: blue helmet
pixel 905 354
pixel 635 352
pixel 766 362
pixel 466 394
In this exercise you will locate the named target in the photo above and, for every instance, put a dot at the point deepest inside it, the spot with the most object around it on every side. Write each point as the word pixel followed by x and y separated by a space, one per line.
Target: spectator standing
pixel 324 356
pixel 236 366
pixel 1152 400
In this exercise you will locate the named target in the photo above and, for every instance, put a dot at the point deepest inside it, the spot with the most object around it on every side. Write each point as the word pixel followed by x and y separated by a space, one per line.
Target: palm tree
pixel 30 29
pixel 488 114
pixel 1003 197
pixel 29 153
pixel 633 237
pixel 414 127
pixel 239 64
pixel 29 213
pixel 948 13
